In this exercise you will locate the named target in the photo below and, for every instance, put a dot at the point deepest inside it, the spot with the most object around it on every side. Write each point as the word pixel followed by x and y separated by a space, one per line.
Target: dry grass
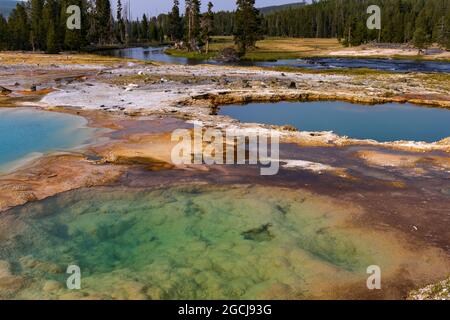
pixel 282 48
pixel 270 48
pixel 276 48
pixel 298 45
pixel 14 58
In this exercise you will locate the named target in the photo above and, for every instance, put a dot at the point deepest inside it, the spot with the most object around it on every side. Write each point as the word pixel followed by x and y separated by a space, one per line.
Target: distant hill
pixel 271 9
pixel 6 6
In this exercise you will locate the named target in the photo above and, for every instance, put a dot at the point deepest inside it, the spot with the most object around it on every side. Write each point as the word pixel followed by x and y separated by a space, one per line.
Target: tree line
pixel 40 24
pixel 193 31
pixel 420 22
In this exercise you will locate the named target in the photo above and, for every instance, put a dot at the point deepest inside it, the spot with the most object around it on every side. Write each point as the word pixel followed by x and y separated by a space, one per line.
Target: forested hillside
pixel 272 9
pixel 402 20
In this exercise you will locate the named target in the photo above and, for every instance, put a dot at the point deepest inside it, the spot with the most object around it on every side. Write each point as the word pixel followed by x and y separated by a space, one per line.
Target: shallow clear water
pixel 194 242
pixel 149 53
pixel 157 54
pixel 387 122
pixel 25 132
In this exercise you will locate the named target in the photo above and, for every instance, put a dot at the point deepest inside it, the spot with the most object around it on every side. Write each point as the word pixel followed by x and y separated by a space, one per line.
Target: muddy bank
pixel 51 175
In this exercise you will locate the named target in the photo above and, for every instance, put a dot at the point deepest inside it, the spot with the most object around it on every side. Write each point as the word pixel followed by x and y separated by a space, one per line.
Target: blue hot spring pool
pixel 26 133
pixel 387 122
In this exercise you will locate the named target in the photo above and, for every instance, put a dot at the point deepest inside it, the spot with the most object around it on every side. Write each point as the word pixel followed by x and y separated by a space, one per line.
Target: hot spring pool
pixel 26 132
pixel 387 122
pixel 194 242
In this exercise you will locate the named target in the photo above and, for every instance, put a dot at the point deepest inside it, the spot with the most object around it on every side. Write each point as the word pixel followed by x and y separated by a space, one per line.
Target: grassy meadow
pixel 269 49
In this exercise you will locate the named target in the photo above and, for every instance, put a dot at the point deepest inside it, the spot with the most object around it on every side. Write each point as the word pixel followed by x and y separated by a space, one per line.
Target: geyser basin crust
pixel 202 242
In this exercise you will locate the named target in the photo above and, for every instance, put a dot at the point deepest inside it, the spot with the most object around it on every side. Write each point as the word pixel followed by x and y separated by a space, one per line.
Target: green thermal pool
pixel 194 242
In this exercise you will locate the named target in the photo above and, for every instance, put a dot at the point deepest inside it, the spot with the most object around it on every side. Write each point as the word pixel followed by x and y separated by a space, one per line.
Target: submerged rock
pixel 259 234
pixel 9 283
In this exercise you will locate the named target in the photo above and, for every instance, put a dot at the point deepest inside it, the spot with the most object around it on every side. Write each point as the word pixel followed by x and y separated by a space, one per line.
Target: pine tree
pixel 4 41
pixel 187 21
pixel 120 29
pixel 52 41
pixel 439 31
pixel 192 18
pixel 153 30
pixel 420 39
pixel 37 30
pixel 248 25
pixel 207 24
pixel 144 28
pixel 446 41
pixel 58 15
pixel 18 28
pixel 196 4
pixel 175 22
pixel 135 31
pixel 103 21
